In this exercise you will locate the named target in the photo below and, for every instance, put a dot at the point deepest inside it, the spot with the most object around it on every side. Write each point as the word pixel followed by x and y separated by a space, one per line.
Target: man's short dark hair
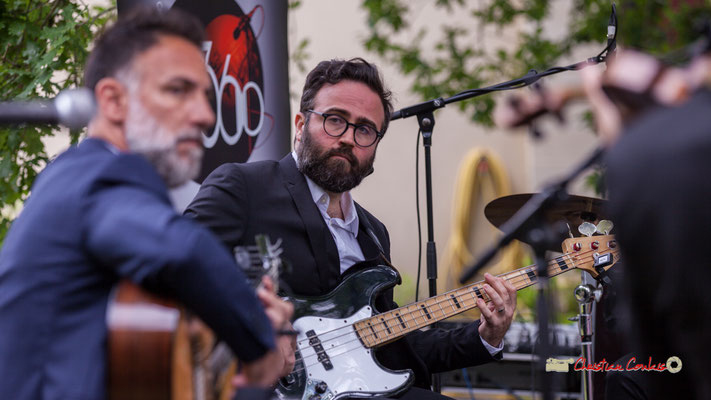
pixel 134 33
pixel 355 69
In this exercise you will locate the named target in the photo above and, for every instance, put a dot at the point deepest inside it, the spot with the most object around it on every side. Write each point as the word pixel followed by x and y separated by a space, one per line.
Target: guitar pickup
pixel 321 355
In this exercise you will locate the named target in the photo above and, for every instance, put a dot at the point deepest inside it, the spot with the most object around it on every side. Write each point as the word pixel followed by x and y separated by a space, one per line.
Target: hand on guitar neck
pixel 496 316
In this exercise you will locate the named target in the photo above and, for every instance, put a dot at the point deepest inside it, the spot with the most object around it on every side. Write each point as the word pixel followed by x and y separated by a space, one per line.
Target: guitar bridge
pixel 322 357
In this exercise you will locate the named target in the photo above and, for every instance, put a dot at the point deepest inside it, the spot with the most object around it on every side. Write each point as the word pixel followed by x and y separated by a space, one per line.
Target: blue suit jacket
pixel 95 217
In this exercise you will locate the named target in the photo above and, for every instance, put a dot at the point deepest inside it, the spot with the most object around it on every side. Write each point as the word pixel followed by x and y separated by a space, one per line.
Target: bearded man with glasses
pixel 304 199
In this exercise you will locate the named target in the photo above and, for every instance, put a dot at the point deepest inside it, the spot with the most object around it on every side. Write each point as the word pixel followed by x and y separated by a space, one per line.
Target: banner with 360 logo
pixel 247 59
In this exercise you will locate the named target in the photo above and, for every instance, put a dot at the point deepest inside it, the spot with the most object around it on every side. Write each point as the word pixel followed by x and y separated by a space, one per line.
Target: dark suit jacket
pixel 95 217
pixel 660 202
pixel 238 201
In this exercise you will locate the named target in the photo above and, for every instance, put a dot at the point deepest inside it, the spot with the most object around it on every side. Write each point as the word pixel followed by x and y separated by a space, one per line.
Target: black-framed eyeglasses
pixel 334 125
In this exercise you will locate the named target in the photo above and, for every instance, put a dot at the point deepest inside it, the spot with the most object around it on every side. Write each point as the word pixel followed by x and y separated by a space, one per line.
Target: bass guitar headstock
pixel 594 254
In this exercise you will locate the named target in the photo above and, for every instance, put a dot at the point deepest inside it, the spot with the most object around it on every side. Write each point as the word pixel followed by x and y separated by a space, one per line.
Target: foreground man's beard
pixel 147 137
pixel 332 174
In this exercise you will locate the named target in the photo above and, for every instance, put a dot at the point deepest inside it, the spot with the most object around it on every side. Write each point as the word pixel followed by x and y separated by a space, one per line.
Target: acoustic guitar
pixel 157 350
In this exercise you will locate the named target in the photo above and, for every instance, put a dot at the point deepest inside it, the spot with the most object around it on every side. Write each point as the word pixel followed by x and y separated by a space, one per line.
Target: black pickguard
pixel 357 290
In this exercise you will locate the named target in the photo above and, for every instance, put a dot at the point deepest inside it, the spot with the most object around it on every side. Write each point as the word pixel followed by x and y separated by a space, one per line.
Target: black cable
pixel 417 208
pixel 611 44
pixel 533 366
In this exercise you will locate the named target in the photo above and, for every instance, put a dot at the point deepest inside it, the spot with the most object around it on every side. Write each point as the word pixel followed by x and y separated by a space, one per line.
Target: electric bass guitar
pixel 338 331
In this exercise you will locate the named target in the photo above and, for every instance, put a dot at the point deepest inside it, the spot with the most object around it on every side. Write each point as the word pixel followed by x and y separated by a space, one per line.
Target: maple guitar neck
pixel 579 253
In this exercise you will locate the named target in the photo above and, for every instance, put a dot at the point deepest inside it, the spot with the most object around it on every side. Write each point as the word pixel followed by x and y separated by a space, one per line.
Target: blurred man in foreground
pixel 100 213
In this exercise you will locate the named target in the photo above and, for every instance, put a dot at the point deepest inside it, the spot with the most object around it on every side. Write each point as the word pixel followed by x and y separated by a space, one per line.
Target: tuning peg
pixel 604 227
pixel 587 229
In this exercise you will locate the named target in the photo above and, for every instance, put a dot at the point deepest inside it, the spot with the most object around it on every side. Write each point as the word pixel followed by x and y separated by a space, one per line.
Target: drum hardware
pixel 584 212
pixel 586 295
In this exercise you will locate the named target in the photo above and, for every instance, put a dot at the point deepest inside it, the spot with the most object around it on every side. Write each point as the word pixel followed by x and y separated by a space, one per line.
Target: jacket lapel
pixel 367 239
pixel 323 246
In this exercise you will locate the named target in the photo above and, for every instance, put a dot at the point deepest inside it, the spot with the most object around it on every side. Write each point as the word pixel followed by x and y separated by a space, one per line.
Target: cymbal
pixel 575 210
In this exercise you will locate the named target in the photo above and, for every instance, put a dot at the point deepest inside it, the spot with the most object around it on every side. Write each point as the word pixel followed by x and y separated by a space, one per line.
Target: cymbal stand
pixel 587 295
pixel 530 219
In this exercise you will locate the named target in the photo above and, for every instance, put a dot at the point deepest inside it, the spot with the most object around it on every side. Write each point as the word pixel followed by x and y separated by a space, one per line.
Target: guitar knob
pixel 595 245
pixel 321 388
pixel 612 244
pixel 577 247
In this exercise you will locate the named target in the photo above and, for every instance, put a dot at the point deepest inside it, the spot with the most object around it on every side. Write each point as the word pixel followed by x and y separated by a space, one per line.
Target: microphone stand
pixel 425 118
pixel 529 220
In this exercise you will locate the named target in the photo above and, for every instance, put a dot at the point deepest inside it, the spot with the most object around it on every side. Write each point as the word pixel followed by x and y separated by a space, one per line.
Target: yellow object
pixel 482 178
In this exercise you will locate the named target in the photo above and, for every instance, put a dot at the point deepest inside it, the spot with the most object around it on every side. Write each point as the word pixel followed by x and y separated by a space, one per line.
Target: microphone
pixel 611 34
pixel 73 108
pixel 426 106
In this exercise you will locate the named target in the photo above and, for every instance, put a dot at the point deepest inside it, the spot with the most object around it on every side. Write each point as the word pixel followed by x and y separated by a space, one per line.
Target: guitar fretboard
pixel 391 325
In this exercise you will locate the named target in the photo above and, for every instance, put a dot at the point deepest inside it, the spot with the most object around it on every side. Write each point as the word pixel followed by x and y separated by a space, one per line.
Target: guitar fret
pixel 397 328
pixel 440 308
pixel 404 325
pixel 472 295
pixel 373 330
pixel 572 260
pixel 414 321
pixel 424 308
pixel 411 312
pixel 464 299
pixel 561 263
pixel 422 315
pixel 525 281
pixel 531 275
pixel 387 328
pixel 456 303
pixel 478 292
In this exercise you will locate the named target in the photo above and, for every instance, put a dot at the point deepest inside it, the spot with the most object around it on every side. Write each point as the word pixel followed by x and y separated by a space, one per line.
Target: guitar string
pixel 513 275
pixel 357 347
pixel 516 278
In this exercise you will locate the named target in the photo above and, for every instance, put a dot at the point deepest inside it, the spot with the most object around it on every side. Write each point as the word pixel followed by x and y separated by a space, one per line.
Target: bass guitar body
pixel 332 360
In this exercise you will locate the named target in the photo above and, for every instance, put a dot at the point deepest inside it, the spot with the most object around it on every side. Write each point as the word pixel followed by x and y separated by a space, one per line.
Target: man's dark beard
pixel 329 173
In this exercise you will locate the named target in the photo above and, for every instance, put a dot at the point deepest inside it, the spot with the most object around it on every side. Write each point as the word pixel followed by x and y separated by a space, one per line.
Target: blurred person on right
pixel 656 122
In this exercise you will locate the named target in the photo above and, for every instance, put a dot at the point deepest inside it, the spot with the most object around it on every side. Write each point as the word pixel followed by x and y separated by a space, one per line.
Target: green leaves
pixel 386 13
pixel 44 47
pixel 504 39
pixel 460 59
